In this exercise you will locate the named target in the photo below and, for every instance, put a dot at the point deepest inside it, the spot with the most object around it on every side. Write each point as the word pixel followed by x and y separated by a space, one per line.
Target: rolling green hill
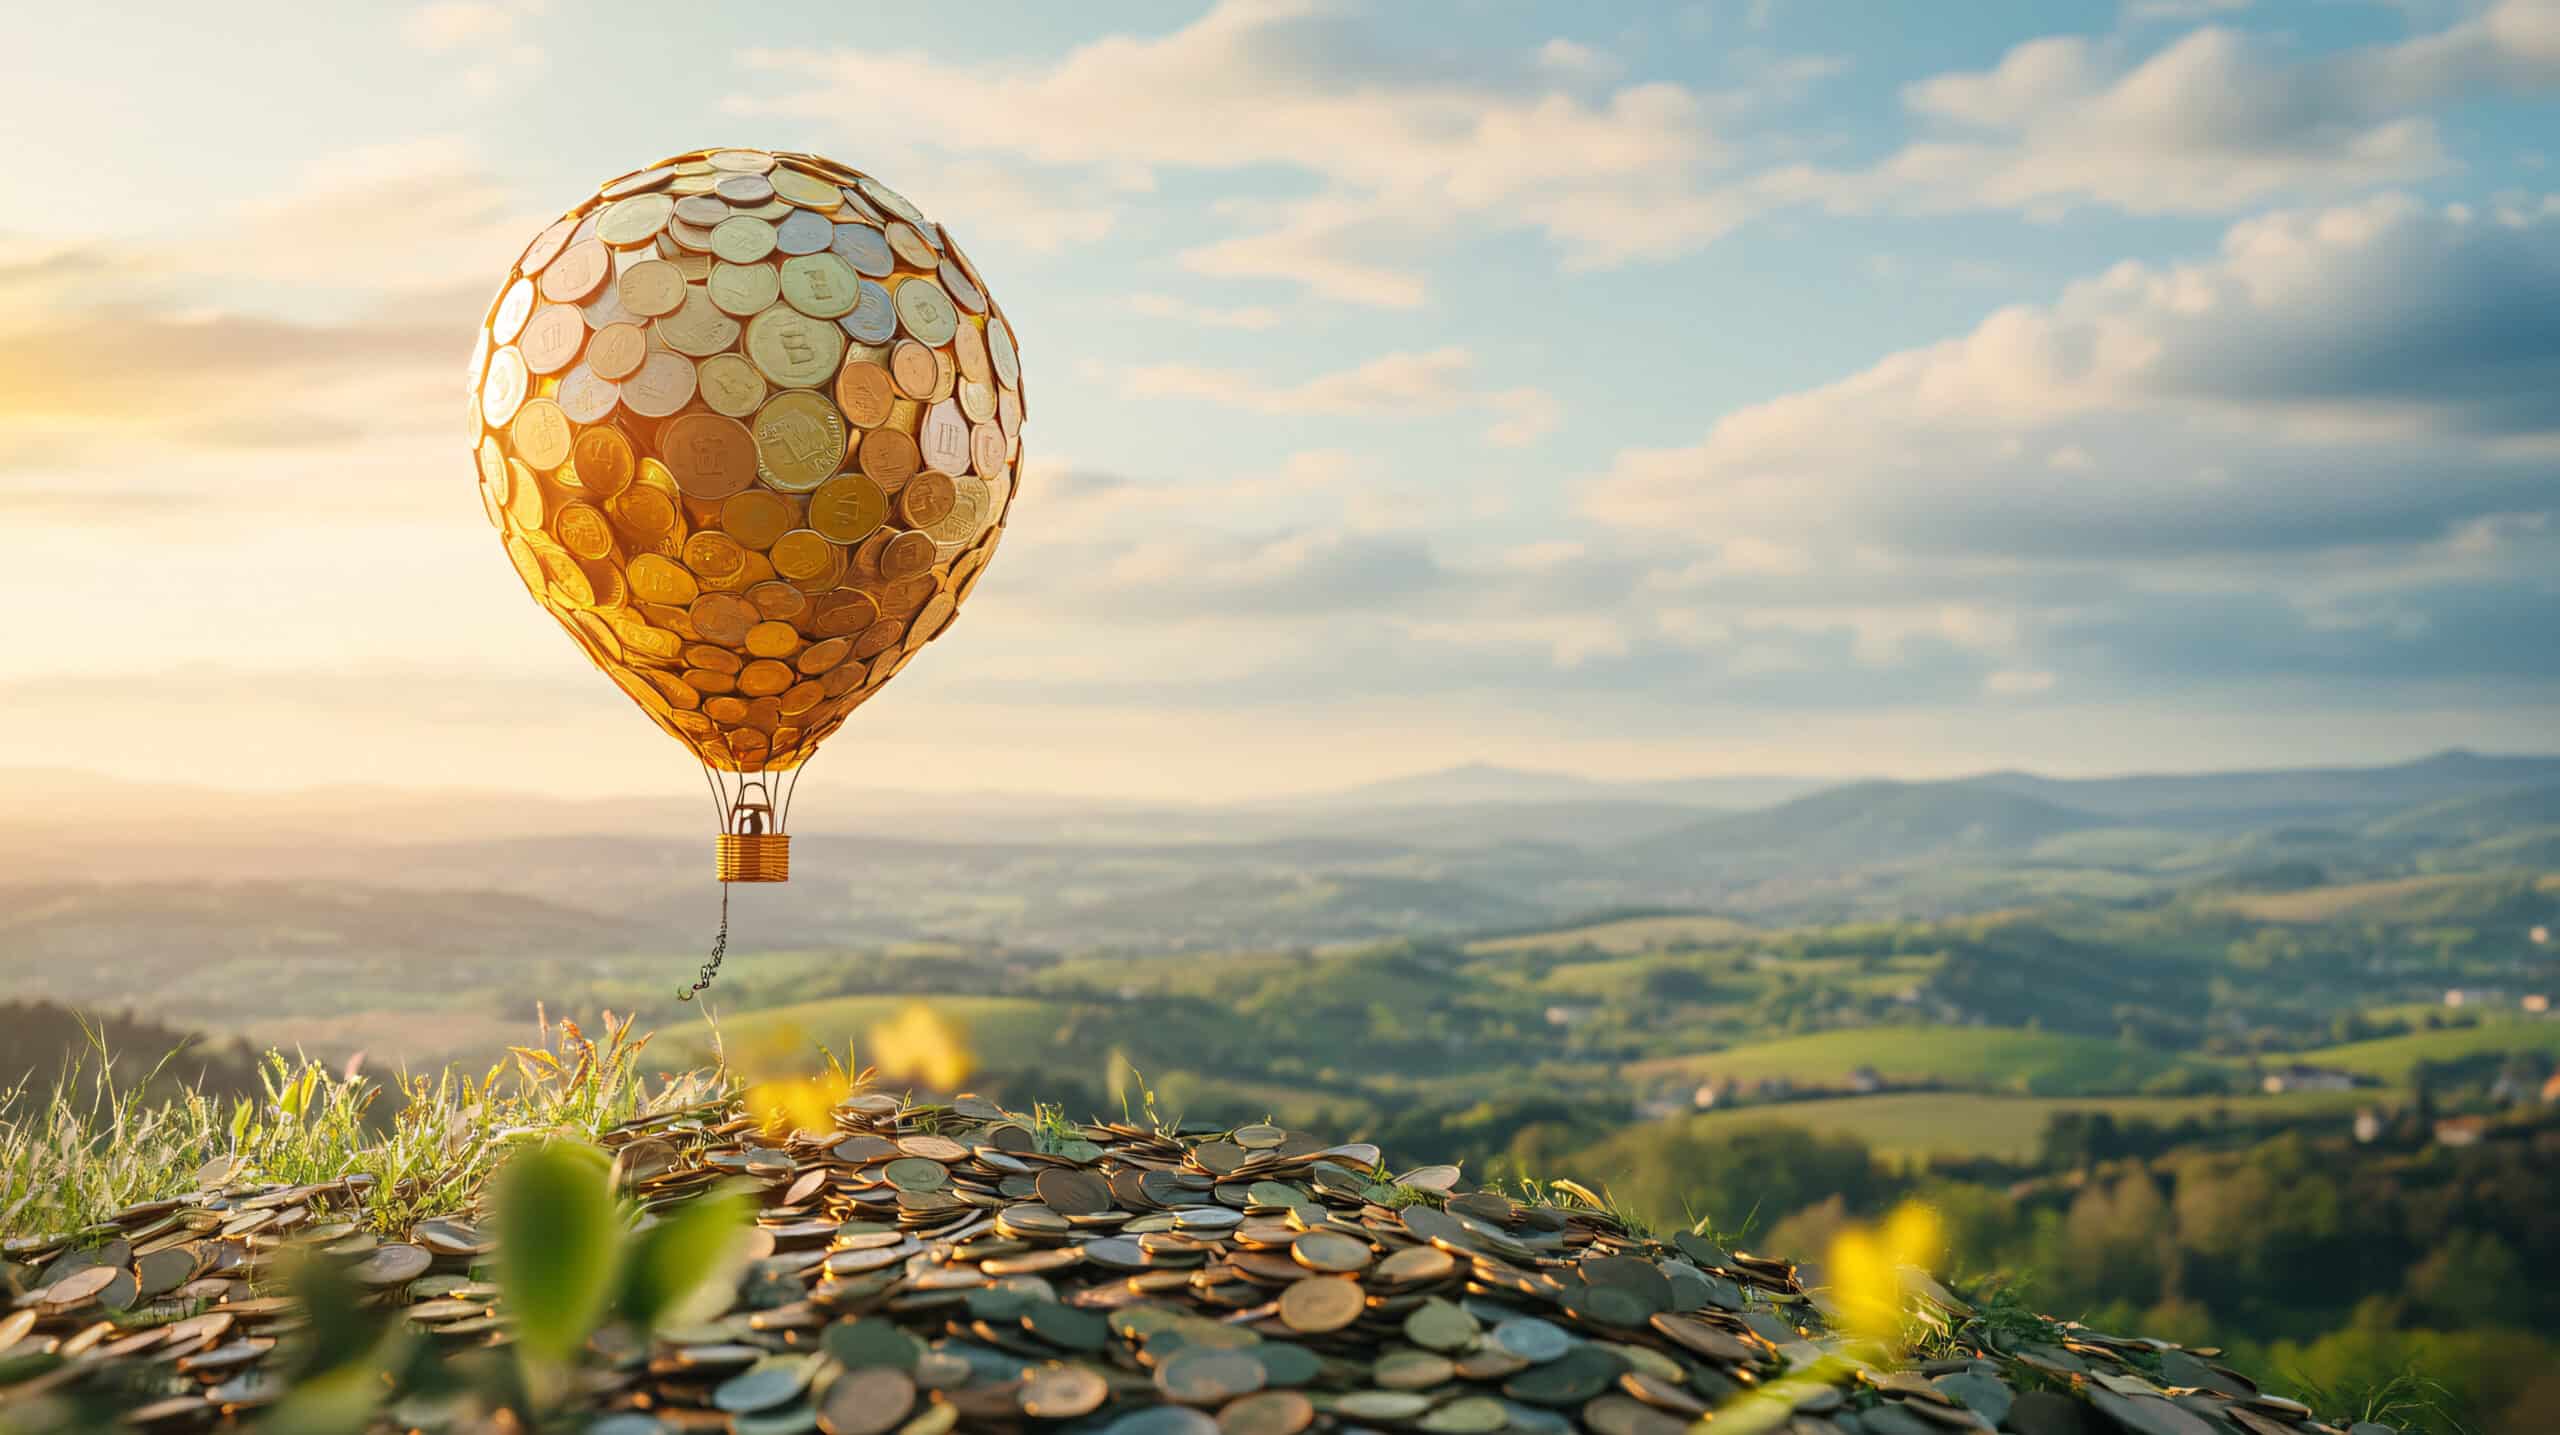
pixel 1868 822
pixel 2392 1057
pixel 1974 1058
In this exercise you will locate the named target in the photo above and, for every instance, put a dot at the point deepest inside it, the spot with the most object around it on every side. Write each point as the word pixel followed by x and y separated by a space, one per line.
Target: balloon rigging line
pixel 719 949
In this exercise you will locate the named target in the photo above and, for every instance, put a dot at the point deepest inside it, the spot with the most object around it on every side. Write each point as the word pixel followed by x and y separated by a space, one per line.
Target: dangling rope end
pixel 719 949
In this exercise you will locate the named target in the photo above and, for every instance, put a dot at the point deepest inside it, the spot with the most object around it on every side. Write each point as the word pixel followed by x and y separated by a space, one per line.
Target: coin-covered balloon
pixel 750 424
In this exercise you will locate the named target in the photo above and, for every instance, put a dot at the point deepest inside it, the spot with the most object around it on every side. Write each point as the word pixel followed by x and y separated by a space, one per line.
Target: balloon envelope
pixel 749 425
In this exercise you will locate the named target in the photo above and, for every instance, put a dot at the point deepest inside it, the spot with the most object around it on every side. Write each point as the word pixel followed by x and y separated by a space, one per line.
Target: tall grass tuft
pixel 93 1144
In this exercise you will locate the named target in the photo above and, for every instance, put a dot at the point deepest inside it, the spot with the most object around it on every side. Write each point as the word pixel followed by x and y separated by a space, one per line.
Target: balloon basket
pixel 755 857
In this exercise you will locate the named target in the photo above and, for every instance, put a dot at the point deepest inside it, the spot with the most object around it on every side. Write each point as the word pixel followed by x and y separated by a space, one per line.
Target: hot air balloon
pixel 748 422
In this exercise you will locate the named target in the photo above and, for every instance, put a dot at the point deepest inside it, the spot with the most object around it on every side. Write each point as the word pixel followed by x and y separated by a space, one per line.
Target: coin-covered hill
pixel 889 1264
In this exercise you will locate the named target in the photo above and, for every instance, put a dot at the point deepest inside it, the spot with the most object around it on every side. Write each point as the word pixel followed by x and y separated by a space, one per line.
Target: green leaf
pixel 558 1236
pixel 685 1268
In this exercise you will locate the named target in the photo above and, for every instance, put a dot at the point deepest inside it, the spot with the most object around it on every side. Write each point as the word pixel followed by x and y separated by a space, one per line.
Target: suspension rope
pixel 719 949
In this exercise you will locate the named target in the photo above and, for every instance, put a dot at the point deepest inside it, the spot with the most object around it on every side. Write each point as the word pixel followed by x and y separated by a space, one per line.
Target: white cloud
pixel 1298 85
pixel 1430 382
pixel 2214 121
pixel 2333 378
pixel 1244 316
pixel 484 34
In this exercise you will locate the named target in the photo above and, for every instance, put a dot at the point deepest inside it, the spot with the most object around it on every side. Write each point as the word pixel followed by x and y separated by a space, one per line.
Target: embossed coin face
pixel 691 471
pixel 847 508
pixel 731 385
pixel 799 441
pixel 793 350
pixel 864 392
pixel 710 455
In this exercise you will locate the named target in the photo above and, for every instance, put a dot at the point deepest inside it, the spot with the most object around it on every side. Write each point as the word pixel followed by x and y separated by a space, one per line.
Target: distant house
pixel 2369 1126
pixel 2541 936
pixel 2537 1003
pixel 2461 1130
pixel 1712 1093
pixel 1866 1081
pixel 2307 1078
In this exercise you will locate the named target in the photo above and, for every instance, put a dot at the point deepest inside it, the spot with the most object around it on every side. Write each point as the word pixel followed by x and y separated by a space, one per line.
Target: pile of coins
pixel 928 1268
pixel 750 424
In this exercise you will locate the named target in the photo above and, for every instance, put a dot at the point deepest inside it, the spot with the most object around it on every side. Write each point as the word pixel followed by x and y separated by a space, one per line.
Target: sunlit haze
pixel 1626 390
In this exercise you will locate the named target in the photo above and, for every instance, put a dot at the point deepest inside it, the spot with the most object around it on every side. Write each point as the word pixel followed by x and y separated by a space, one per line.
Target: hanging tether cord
pixel 724 803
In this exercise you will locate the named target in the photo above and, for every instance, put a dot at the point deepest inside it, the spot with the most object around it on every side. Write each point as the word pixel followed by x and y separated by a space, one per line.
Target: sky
pixel 1750 386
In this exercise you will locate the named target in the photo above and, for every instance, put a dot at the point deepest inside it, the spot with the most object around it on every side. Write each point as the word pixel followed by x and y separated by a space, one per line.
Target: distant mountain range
pixel 1463 849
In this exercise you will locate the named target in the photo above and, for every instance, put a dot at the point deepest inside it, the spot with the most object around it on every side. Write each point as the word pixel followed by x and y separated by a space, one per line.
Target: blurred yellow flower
pixel 922 1046
pixel 1866 1265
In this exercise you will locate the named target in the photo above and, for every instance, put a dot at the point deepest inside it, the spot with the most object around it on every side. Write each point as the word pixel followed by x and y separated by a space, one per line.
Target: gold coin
pixel 616 351
pixel 911 364
pixel 722 618
pixel 879 638
pixel 889 457
pixel 818 657
pixel 663 385
pixel 978 401
pixel 711 456
pixel 793 186
pixel 804 553
pixel 777 599
pixel 576 275
pixel 740 161
pixel 715 658
pixel 969 350
pixel 764 678
pixel 925 311
pixel 820 285
pixel 792 349
pixel 702 210
pixel 540 434
pixel 925 501
pixel 800 698
pixel 603 460
pixel 929 623
pixel 583 531
pixel 756 518
pixel 585 397
pixel 644 511
pixel 1000 349
pixel 943 439
pixel 799 441
pixel 1317 1304
pixel 697 327
pixel 547 245
pixel 742 290
pixel 660 580
pixel 651 288
pixel 638 182
pixel 715 555
pixel 747 190
pixel 909 555
pixel 842 613
pixel 742 239
pixel 908 243
pixel 528 567
pixel 773 640
pixel 514 307
pixel 690 238
pixel 863 392
pixel 524 496
pixel 636 220
pixel 972 508
pixel 731 385
pixel 503 388
pixel 847 507
pixel 726 709
pixel 986 449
